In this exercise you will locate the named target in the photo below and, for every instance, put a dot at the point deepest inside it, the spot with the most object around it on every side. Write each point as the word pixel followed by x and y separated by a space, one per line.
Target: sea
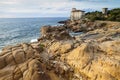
pixel 22 30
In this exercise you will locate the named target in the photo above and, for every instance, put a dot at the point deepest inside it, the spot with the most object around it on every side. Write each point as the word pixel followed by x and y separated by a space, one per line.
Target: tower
pixel 73 9
pixel 104 11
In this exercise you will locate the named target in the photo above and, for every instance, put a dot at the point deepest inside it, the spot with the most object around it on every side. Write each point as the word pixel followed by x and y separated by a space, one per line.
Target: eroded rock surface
pixel 83 25
pixel 94 55
pixel 95 61
pixel 23 62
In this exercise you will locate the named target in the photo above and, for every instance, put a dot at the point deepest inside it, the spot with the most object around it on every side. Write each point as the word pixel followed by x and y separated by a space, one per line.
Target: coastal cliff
pixel 92 55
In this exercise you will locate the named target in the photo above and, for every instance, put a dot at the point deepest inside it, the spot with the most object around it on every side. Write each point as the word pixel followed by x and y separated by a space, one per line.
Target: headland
pixel 92 55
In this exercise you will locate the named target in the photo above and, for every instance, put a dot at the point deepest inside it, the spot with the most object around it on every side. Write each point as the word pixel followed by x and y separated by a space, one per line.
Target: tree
pixel 113 15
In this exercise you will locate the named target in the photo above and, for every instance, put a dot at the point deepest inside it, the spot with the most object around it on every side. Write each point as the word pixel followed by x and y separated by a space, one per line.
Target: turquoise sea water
pixel 18 30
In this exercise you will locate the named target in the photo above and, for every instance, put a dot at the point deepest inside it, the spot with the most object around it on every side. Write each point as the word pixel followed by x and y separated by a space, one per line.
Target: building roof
pixel 104 8
pixel 78 11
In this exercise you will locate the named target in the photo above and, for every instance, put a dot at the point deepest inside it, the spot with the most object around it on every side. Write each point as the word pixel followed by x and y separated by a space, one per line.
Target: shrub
pixel 113 15
pixel 42 47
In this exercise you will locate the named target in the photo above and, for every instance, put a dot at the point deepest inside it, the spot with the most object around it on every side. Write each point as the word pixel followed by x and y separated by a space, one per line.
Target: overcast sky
pixel 50 8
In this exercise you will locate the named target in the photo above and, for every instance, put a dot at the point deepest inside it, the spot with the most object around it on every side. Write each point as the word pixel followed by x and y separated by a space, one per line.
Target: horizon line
pixel 38 17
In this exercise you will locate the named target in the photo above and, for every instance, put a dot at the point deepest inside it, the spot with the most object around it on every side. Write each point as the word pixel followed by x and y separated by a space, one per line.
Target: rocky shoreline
pixel 93 55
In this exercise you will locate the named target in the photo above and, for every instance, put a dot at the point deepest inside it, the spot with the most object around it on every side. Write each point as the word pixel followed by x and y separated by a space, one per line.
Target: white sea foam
pixel 34 40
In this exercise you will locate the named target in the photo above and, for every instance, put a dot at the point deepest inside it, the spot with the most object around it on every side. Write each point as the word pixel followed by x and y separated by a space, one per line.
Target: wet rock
pixel 63 22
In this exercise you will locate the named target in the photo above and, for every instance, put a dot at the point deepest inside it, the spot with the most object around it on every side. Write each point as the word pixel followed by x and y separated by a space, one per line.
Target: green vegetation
pixel 112 15
pixel 42 46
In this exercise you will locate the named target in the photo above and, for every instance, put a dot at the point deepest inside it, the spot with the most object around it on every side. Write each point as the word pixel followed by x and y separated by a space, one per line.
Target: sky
pixel 50 8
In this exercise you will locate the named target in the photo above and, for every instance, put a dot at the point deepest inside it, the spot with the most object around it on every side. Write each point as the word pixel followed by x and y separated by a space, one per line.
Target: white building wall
pixel 76 15
pixel 79 15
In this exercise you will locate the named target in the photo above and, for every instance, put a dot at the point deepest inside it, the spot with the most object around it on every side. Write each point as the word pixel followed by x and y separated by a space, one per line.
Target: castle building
pixel 104 11
pixel 76 14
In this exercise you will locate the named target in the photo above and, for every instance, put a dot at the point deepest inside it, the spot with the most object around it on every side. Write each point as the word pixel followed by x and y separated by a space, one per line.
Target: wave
pixel 34 40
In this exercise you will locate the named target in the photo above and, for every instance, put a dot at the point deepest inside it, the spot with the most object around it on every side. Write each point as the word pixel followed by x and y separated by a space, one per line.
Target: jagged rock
pixel 60 47
pixel 83 25
pixel 63 22
pixel 21 63
pixel 92 61
pixel 94 55
pixel 58 33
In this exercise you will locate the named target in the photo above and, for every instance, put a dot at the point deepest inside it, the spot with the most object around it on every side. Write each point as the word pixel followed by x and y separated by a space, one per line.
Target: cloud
pixel 33 8
pixel 7 3
pixel 92 0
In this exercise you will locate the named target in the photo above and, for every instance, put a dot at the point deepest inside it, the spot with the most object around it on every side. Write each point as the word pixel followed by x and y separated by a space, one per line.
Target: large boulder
pixel 58 33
